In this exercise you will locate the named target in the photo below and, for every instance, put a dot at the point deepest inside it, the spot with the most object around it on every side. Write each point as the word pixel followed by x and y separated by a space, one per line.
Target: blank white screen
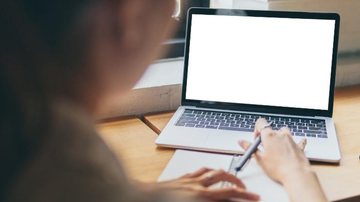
pixel 260 60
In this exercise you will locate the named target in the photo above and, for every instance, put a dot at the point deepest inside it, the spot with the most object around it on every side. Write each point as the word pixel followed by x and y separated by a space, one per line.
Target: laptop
pixel 240 65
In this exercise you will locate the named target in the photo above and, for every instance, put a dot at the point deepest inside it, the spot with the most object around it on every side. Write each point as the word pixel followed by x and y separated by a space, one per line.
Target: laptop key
pixel 188 111
pixel 188 119
pixel 311 131
pixel 211 126
pixel 235 129
pixel 299 134
pixel 193 122
pixel 189 115
pixel 316 121
pixel 311 124
pixel 313 128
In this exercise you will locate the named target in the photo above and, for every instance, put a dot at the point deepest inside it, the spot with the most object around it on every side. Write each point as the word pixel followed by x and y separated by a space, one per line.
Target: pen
pixel 245 158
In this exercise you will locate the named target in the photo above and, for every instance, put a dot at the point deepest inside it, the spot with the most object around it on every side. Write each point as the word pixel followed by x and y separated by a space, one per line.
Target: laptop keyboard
pixel 246 122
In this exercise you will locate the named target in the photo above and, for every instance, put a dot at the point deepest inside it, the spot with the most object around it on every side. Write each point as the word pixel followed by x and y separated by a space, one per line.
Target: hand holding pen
pixel 284 161
pixel 280 152
pixel 252 149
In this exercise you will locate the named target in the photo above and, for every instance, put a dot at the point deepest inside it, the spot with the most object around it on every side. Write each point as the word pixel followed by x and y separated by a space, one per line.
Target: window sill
pixel 158 90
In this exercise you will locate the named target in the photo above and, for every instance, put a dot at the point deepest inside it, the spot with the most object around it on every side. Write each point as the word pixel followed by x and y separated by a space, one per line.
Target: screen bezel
pixel 262 108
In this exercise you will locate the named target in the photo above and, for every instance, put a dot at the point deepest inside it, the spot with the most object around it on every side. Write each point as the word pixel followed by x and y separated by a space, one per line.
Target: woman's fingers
pixel 215 176
pixel 302 144
pixel 260 123
pixel 197 173
pixel 229 192
pixel 286 131
pixel 244 144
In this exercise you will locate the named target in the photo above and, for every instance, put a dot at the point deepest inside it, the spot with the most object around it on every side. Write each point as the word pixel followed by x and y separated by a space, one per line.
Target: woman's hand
pixel 284 161
pixel 197 184
pixel 281 156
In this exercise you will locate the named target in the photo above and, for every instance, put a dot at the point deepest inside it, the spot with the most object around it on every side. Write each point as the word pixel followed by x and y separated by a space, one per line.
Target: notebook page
pixel 252 175
pixel 184 161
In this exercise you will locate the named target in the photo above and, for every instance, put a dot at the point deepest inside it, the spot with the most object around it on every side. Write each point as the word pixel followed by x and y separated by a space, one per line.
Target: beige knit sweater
pixel 75 164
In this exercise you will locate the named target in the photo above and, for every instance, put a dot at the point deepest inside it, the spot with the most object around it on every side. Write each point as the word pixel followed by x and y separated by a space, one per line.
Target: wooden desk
pixel 339 181
pixel 133 141
pixel 343 181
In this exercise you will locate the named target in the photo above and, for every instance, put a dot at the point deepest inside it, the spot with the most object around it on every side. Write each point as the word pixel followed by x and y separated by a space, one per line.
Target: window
pixel 176 44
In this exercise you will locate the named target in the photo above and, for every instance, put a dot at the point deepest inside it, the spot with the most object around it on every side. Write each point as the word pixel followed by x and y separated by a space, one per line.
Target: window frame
pixel 175 46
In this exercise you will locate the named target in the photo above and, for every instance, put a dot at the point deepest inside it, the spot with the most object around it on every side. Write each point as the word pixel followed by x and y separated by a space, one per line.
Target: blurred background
pixel 161 83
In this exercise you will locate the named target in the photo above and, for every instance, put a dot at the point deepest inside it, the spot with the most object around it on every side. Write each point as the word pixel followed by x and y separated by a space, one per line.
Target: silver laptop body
pixel 241 65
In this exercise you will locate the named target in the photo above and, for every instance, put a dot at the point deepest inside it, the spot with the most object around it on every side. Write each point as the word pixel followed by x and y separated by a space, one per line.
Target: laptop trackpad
pixel 228 140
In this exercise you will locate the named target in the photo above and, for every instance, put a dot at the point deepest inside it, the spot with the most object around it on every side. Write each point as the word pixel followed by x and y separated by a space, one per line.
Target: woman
pixel 63 62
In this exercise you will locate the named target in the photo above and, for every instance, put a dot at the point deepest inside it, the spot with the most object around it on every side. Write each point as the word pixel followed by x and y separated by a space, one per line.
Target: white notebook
pixel 252 175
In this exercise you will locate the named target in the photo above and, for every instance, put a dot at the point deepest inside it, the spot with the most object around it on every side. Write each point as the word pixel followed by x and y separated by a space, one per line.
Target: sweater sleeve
pixel 74 164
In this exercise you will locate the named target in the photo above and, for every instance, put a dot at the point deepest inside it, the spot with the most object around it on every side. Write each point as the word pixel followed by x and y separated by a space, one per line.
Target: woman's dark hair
pixel 40 47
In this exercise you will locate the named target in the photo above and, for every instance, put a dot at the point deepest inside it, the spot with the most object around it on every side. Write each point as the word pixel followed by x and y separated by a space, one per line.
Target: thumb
pixel 302 144
pixel 256 133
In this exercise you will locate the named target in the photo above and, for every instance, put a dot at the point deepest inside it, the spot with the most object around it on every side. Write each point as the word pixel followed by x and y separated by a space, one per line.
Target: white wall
pixel 349 11
pixel 348 68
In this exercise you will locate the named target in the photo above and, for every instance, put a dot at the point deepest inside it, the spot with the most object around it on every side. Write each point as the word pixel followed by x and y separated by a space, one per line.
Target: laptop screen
pixel 270 61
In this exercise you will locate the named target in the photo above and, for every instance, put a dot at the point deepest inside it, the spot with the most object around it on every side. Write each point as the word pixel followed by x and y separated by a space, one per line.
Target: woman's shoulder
pixel 71 160
pixel 74 164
